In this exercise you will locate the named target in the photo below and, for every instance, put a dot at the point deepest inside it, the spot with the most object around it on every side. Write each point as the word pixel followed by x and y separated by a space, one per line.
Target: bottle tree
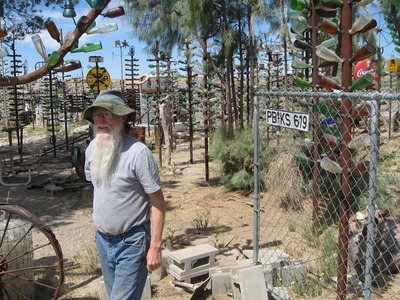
pixel 69 42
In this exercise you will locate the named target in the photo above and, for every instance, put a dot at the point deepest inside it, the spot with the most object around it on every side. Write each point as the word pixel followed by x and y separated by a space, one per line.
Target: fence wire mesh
pixel 327 206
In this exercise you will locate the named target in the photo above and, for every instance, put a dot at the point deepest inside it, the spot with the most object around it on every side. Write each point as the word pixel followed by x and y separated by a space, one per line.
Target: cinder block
pixel 287 272
pixel 192 262
pixel 53 189
pixel 221 284
pixel 147 290
pixel 252 283
pixel 60 177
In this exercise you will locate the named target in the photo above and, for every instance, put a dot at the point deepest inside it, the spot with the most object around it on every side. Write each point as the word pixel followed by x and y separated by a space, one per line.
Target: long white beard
pixel 105 154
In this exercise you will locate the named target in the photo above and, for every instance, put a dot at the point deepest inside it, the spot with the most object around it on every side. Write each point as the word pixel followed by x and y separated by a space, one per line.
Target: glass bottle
pixel 302 45
pixel 299 64
pixel 37 41
pixel 89 47
pixel 368 27
pixel 360 141
pixel 327 26
pixel 326 64
pixel 326 12
pixel 299 24
pixel 360 168
pixel 98 5
pixel 70 66
pixel 53 60
pixel 83 23
pixel 364 52
pixel 329 140
pixel 105 28
pixel 3 52
pixel 328 83
pixel 362 3
pixel 90 2
pixel 332 42
pixel 330 165
pixel 53 30
pixel 332 3
pixel 362 82
pixel 115 12
pixel 360 22
pixel 360 111
pixel 69 38
pixel 302 83
pixel 327 54
pixel 298 4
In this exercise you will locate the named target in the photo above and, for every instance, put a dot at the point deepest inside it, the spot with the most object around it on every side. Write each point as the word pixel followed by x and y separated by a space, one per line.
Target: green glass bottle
pixel 362 82
pixel 298 4
pixel 302 83
pixel 88 47
pixel 53 60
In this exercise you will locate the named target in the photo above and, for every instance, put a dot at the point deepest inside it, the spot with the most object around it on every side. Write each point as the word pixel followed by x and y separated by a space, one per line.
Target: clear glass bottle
pixel 330 43
pixel 299 64
pixel 327 54
pixel 41 49
pixel 105 28
pixel 360 22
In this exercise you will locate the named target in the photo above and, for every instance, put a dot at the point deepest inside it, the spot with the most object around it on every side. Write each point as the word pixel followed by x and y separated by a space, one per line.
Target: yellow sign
pixel 98 79
pixel 392 65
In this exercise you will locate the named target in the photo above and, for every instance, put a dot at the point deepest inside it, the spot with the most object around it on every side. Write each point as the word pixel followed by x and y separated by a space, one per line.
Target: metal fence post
pixel 256 192
pixel 371 201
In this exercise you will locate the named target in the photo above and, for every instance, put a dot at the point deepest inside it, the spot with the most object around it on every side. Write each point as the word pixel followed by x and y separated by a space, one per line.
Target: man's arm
pixel 154 257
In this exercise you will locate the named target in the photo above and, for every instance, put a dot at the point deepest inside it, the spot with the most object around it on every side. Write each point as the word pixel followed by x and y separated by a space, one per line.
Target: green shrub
pixel 235 157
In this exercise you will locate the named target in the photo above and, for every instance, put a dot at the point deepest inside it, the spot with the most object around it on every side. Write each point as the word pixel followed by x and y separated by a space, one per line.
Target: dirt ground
pixel 196 214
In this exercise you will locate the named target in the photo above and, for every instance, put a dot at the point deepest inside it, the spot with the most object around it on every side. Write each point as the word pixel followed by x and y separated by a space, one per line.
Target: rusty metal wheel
pixel 31 261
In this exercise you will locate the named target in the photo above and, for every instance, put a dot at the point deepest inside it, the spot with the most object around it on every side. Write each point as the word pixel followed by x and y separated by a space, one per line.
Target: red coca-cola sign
pixel 366 66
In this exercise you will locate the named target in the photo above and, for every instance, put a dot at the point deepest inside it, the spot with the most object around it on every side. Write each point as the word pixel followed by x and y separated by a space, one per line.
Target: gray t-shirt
pixel 123 202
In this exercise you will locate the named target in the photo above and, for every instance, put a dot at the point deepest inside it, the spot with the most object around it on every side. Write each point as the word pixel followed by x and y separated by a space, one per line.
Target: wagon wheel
pixel 31 261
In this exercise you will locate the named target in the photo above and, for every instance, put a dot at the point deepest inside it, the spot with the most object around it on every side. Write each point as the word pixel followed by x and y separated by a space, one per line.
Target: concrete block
pixel 221 284
pixel 252 283
pixel 60 177
pixel 53 189
pixel 146 295
pixel 278 293
pixel 286 273
pixel 192 262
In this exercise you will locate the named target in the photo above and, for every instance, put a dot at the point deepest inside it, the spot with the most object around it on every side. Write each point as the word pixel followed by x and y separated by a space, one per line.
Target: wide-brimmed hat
pixel 112 101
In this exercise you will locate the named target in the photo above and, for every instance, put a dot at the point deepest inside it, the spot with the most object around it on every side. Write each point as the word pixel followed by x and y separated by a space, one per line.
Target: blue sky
pixel 111 54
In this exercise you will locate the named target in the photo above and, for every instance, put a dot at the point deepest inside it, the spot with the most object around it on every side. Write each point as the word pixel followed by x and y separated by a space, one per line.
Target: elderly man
pixel 127 196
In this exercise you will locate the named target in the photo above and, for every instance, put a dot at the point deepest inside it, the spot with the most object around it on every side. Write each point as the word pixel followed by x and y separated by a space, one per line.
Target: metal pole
pixel 97 77
pixel 53 135
pixel 122 73
pixel 371 202
pixel 256 193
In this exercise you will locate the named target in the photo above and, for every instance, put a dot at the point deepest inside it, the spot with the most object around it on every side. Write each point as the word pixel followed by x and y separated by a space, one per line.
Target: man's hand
pixel 154 259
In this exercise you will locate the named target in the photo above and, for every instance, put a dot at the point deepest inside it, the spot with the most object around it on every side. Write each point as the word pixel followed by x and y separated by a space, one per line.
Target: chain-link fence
pixel 326 205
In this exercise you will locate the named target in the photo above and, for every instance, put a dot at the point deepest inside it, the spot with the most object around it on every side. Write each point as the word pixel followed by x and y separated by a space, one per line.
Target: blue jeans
pixel 123 262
